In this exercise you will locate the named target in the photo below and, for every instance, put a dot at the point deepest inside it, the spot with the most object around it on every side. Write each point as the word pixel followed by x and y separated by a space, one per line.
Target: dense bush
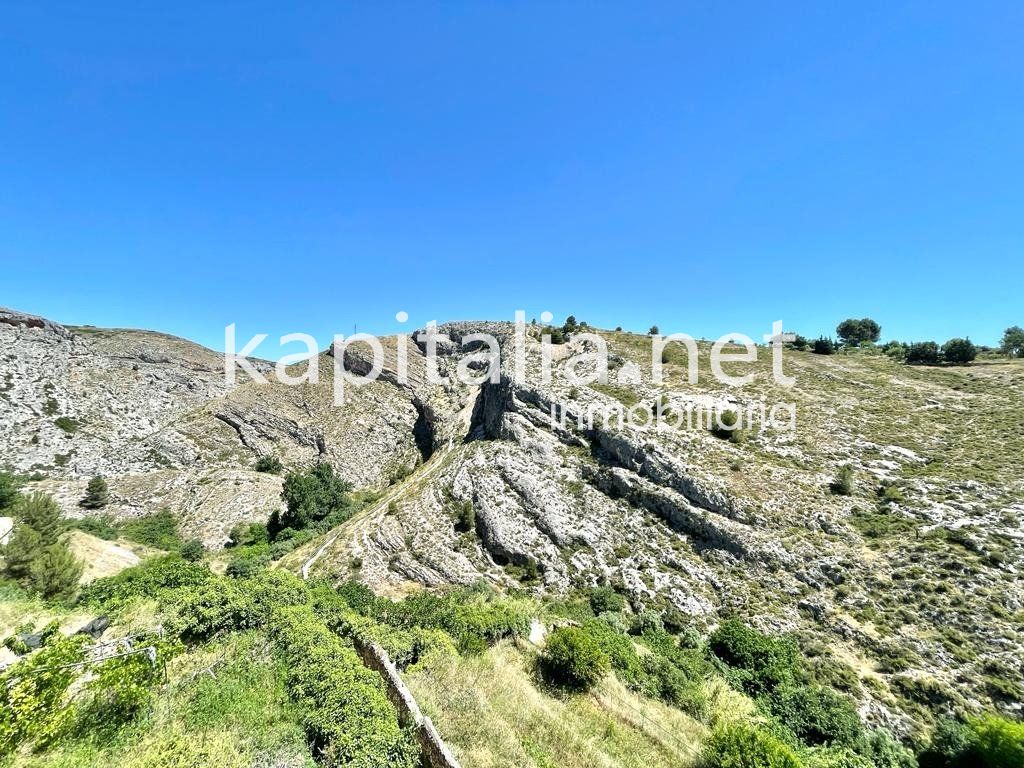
pixel 468 617
pixel 310 497
pixel 573 658
pixel 817 715
pixel 245 534
pixel 229 605
pixel 102 527
pixel 604 599
pixel 465 520
pixel 744 746
pixel 158 530
pixel 192 550
pixel 270 464
pixel 959 351
pixel 348 718
pixel 985 742
pixel 823 346
pixel 726 424
pixel 32 692
pixel 147 580
pixel 922 353
pixel 757 663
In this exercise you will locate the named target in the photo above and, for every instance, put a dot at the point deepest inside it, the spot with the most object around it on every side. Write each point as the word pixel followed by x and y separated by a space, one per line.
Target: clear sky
pixel 706 166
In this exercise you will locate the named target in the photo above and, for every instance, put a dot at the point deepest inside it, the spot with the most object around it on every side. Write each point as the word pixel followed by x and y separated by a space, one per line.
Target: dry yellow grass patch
pixel 493 714
pixel 104 558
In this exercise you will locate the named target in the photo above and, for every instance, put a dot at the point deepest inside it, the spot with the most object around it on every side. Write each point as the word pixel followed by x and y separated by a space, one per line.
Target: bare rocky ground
pixel 913 597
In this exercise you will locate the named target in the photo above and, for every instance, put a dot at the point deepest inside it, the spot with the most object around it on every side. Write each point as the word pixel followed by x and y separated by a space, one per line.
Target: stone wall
pixel 434 751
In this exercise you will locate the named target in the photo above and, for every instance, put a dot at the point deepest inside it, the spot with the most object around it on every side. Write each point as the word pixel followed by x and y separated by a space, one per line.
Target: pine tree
pixel 97 495
pixel 55 572
pixel 22 548
pixel 40 512
pixel 8 490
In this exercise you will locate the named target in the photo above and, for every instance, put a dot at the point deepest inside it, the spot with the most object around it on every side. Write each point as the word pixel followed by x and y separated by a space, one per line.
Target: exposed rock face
pixel 555 499
pixel 154 415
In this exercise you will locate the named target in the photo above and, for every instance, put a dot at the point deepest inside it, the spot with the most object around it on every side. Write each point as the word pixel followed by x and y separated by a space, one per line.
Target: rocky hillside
pixel 909 586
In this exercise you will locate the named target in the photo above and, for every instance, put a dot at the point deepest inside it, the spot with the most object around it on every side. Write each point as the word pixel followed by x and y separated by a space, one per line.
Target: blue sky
pixel 709 167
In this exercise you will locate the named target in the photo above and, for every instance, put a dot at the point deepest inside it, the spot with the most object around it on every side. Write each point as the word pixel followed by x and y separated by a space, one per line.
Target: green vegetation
pixel 67 424
pixel 572 658
pixel 316 496
pixel 854 332
pixel 465 521
pixel 348 717
pixel 192 550
pixel 842 484
pixel 823 346
pixel 158 530
pixel 743 746
pixel 9 485
pixel 959 351
pixel 35 556
pixel 97 494
pixel 922 353
pixel 1013 342
pixel 270 464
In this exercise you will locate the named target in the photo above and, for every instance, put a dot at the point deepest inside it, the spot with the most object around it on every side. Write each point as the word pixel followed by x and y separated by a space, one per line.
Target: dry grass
pixel 493 714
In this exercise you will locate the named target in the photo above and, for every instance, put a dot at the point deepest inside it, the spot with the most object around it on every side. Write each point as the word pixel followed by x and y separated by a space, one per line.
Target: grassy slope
pixel 224 705
pixel 491 710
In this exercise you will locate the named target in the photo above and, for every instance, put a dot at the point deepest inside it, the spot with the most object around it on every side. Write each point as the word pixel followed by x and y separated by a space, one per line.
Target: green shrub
pixel 989 741
pixel 744 746
pixel 726 424
pixel 230 605
pixel 310 497
pixel 466 517
pixel 55 571
pixel 922 353
pixel 619 649
pixel 757 663
pixel 998 742
pixel 817 715
pixel 32 694
pixel 102 527
pixel 270 464
pixel 603 599
pixel 842 485
pixel 192 550
pixel 348 718
pixel 823 346
pixel 67 424
pixel 246 534
pixel 885 752
pixel 158 530
pixel 148 579
pixel 959 351
pixel 572 658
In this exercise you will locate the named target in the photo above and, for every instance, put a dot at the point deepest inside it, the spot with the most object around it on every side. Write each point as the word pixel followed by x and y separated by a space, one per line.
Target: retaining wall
pixel 432 747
